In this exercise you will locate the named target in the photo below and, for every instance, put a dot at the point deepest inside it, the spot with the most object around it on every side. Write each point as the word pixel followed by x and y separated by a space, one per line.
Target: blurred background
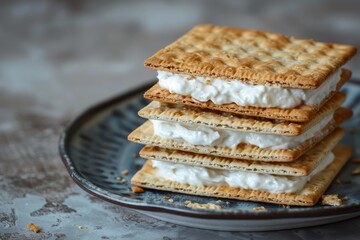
pixel 59 57
pixel 68 54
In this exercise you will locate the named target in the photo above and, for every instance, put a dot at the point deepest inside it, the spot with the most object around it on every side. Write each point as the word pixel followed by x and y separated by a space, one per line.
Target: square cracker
pixel 145 135
pixel 303 166
pixel 302 113
pixel 251 56
pixel 309 196
pixel 214 119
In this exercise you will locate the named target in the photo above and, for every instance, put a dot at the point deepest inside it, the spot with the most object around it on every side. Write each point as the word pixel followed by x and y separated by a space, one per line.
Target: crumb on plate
pixel 191 204
pixel 261 208
pixel 331 200
pixel 121 179
pixel 137 189
pixel 169 199
pixel 356 171
pixel 125 172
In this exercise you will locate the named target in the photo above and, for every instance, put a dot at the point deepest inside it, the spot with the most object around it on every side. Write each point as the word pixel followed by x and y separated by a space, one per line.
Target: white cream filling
pixel 221 91
pixel 207 136
pixel 200 176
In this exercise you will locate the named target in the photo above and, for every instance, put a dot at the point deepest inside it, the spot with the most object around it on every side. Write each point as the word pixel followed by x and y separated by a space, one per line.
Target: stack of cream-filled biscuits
pixel 246 115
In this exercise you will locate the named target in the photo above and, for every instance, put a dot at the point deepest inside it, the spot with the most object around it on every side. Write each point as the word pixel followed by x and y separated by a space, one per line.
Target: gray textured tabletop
pixel 59 57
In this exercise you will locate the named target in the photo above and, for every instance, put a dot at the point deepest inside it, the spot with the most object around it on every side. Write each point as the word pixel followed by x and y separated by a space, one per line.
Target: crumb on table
pixel 33 227
pixel 137 189
pixel 82 227
pixel 331 200
pixel 125 172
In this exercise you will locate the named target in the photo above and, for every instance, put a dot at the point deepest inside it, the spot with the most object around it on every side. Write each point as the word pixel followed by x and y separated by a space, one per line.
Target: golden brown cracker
pixel 251 56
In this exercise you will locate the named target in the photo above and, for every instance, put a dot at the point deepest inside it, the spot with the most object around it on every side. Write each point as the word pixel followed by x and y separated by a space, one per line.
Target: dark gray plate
pixel 94 149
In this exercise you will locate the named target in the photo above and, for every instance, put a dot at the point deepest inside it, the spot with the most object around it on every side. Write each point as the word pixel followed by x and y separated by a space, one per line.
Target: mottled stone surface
pixel 58 57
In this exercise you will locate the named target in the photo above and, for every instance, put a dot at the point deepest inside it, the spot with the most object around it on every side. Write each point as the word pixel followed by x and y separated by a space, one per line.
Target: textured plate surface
pixel 95 150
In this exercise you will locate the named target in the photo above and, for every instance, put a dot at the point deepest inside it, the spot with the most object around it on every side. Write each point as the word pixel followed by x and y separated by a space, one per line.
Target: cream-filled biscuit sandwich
pixel 299 191
pixel 244 114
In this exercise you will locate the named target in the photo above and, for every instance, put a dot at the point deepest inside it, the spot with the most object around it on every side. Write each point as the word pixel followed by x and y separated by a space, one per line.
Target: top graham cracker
pixel 251 56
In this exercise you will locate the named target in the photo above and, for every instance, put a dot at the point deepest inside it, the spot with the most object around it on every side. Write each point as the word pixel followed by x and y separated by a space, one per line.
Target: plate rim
pixel 69 131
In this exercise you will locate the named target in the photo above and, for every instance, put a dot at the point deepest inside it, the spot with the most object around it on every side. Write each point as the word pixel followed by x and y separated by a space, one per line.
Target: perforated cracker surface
pixel 252 56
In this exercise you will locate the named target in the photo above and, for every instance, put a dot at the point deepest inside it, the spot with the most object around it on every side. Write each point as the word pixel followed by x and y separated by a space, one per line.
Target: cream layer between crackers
pixel 301 113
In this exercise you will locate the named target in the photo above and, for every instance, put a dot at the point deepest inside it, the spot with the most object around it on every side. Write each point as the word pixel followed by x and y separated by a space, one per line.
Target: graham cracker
pixel 144 135
pixel 251 56
pixel 302 113
pixel 309 196
pixel 303 166
pixel 214 119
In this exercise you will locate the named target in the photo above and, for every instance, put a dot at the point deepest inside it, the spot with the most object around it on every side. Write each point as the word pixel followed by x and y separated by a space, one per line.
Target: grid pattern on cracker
pixel 302 113
pixel 251 56
pixel 309 196
pixel 191 115
pixel 144 135
pixel 303 166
